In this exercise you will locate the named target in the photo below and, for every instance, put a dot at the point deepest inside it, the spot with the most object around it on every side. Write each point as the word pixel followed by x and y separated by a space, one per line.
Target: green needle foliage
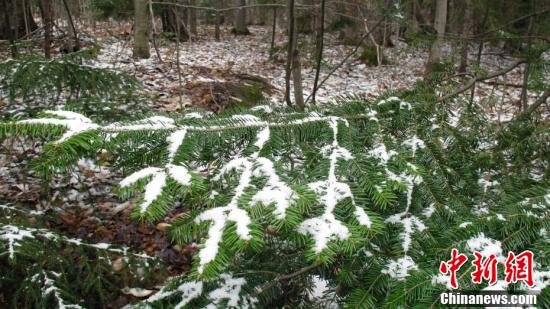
pixel 361 201
pixel 40 268
pixel 32 83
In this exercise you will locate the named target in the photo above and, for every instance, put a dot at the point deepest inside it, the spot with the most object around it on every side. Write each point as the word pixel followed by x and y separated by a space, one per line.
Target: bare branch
pixel 476 79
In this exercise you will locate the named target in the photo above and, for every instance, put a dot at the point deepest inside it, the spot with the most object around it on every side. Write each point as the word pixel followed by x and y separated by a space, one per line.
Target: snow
pixel 153 190
pixel 261 139
pixel 175 140
pixel 227 292
pixel 362 217
pixel 410 225
pixel 50 288
pixel 13 235
pixel 263 108
pixel 323 229
pixel 415 143
pixel 486 246
pixel 149 124
pixel 444 280
pixel 135 177
pixel 541 278
pixel 399 269
pixel 179 174
pixel 220 215
pixel 429 211
pixel 230 291
pixel 189 291
pixel 275 191
pixel 193 115
pixel 74 122
pixel 320 287
pixel 389 100
pixel 330 192
pixel 480 210
pixel 485 184
pixel 102 245
pixel 381 153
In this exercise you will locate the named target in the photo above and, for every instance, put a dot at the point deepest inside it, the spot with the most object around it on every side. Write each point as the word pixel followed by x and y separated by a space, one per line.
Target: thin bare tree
pixel 141 29
pixel 240 25
pixel 47 18
pixel 320 45
pixel 290 31
pixel 439 24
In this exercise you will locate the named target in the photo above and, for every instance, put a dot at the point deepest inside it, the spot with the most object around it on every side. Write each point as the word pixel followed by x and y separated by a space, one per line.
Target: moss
pixel 250 95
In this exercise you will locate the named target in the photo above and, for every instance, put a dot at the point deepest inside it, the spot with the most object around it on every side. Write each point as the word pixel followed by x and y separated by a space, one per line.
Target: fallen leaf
pixel 118 265
pixel 137 292
pixel 162 226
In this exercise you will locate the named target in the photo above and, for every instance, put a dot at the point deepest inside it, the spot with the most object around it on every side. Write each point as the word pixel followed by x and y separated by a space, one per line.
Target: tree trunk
pixel 524 98
pixel 439 24
pixel 305 19
pixel 273 33
pixel 47 18
pixel 173 21
pixel 320 44
pixel 467 26
pixel 193 18
pixel 74 44
pixel 291 34
pixel 414 20
pixel 141 29
pixel 240 27
pixel 349 17
pixel 297 73
pixel 17 19
pixel 219 5
pixel 10 25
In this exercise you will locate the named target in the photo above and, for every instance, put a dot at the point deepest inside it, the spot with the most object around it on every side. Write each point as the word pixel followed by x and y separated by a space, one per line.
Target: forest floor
pixel 82 203
pixel 205 61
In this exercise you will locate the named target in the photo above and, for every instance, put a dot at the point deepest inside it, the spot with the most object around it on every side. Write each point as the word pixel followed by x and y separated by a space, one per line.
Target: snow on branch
pixel 158 176
pixel 74 122
pixel 77 123
pixel 149 124
pixel 15 236
pixel 330 192
pixel 227 293
pixel 275 192
pixel 399 268
pixel 50 288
